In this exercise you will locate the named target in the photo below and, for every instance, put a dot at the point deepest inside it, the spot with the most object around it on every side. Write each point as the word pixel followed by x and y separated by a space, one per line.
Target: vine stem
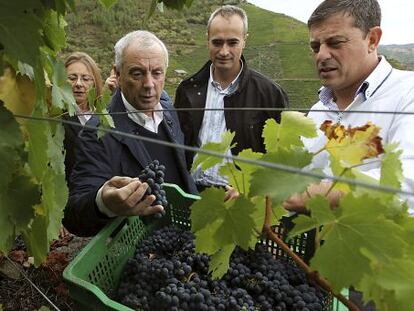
pixel 312 275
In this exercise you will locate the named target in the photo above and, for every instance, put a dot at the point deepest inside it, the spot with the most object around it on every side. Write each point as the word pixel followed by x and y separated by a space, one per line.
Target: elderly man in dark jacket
pixel 226 82
pixel 104 181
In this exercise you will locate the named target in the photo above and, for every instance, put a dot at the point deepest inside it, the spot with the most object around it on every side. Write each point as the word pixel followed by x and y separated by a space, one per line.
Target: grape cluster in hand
pixel 153 174
pixel 167 274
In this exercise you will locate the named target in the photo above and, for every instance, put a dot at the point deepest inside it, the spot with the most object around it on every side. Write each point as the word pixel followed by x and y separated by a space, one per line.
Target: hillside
pixel 277 44
pixel 404 53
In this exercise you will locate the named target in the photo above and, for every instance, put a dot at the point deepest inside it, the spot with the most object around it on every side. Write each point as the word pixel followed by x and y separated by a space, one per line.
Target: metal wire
pixel 275 166
pixel 31 283
pixel 306 110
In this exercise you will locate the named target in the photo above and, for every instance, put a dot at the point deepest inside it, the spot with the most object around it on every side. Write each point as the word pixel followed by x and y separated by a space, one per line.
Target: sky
pixel 397 16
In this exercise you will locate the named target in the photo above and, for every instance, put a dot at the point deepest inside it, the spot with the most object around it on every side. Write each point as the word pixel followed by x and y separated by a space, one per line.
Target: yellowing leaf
pixel 352 145
pixel 18 93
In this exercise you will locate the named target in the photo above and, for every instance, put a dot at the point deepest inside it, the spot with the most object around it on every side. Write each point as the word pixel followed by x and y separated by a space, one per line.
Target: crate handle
pixel 121 227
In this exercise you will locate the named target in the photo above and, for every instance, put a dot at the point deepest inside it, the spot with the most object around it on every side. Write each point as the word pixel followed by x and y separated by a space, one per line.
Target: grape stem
pixel 312 275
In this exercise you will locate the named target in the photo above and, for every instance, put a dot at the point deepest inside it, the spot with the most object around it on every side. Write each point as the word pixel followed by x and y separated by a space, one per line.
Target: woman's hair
pixel 91 65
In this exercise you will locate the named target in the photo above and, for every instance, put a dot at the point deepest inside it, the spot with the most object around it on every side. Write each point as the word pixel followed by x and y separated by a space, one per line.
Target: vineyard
pixel 365 242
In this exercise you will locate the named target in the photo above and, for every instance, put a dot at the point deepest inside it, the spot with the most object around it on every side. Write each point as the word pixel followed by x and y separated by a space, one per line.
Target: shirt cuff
pixel 101 205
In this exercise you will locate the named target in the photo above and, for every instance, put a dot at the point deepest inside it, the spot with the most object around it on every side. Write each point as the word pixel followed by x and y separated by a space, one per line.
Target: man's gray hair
pixel 228 11
pixel 366 13
pixel 144 39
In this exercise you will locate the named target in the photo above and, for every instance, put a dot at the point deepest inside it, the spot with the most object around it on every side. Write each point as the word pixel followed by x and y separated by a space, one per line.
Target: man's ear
pixel 374 36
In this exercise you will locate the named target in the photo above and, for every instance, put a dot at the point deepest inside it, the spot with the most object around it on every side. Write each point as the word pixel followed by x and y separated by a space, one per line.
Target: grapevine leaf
pixel 108 3
pixel 293 125
pixel 37 146
pixel 55 195
pixel 391 169
pixel 239 173
pixel 20 206
pixel 352 145
pixel 279 184
pixel 25 70
pixel 36 239
pixel 224 217
pixel 237 212
pixel 8 158
pixel 17 92
pixel 219 263
pixel 10 134
pixel 393 281
pixel 7 230
pixel 106 120
pixel 205 160
pixel 54 32
pixel 360 226
pixel 203 241
pixel 55 149
pixel 62 95
pixel 208 209
pixel 321 215
pixel 21 39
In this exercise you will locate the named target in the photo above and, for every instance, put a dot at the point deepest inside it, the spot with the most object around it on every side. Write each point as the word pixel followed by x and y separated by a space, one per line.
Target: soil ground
pixel 16 291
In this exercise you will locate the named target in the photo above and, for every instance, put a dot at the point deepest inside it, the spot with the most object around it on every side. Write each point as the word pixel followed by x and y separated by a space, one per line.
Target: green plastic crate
pixel 93 275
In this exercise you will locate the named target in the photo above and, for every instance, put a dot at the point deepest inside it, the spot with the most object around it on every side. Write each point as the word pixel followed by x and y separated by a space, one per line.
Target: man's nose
pixel 148 80
pixel 324 53
pixel 224 49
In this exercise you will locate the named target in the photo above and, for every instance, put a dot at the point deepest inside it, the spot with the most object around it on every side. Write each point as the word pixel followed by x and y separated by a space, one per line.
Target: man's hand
pixel 124 196
pixel 112 81
pixel 297 202
pixel 231 193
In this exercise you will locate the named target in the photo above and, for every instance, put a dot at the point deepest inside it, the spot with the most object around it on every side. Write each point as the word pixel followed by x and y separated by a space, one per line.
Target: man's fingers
pixel 121 181
pixel 137 193
pixel 144 207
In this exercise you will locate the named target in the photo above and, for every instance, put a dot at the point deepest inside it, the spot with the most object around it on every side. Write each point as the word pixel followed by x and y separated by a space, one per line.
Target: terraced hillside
pixel 276 46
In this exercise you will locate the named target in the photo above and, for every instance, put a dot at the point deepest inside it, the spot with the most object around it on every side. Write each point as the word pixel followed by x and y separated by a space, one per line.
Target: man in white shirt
pixel 344 37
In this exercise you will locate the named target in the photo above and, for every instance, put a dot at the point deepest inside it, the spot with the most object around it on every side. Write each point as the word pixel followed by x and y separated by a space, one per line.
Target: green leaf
pixel 20 29
pixel 361 225
pixel 391 167
pixel 206 161
pixel 224 218
pixel 55 149
pixel 55 194
pixel 108 3
pixel 36 240
pixel 203 241
pixel 106 120
pixel 321 212
pixel 219 263
pixel 288 133
pixel 54 32
pixel 38 132
pixel 391 285
pixel 16 205
pixel 62 95
pixel 10 134
pixel 278 184
pixel 239 173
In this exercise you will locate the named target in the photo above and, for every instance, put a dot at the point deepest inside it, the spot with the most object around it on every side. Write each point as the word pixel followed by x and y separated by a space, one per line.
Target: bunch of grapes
pixel 167 274
pixel 153 174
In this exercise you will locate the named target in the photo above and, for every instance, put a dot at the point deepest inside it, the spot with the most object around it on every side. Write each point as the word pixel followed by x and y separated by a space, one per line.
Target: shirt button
pixel 198 93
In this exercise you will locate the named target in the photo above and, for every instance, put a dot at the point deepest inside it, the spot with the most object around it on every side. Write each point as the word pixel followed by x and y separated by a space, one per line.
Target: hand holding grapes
pixel 125 196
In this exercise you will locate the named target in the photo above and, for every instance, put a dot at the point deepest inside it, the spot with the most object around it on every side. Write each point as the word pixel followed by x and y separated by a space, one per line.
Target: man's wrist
pixel 101 205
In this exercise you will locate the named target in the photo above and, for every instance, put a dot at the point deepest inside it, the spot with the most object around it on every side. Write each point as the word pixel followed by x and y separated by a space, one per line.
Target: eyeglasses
pixel 87 79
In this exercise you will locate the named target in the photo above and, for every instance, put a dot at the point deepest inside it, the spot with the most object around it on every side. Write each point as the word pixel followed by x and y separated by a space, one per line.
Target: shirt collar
pixel 368 88
pixel 232 86
pixel 141 118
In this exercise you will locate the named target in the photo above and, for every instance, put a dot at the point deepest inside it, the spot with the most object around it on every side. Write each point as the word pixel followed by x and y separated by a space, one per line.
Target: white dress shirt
pixel 213 126
pixel 385 89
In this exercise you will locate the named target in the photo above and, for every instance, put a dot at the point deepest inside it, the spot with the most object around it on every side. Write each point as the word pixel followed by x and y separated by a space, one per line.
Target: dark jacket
pixel 255 90
pixel 70 143
pixel 113 155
